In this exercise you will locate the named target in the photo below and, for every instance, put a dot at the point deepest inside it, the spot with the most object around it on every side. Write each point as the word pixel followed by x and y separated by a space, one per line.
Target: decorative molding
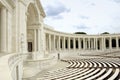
pixel 12 3
pixel 41 8
pixel 23 2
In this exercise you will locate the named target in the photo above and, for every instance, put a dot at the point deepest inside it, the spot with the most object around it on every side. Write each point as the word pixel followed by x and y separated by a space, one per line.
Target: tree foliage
pixel 105 33
pixel 80 33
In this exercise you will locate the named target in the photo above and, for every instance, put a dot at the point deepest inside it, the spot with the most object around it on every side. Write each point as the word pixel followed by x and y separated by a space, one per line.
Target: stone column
pixel 42 38
pixel 103 43
pixel 63 43
pixel 110 42
pixel 22 27
pixel 94 44
pixel 68 43
pixel 3 43
pixel 46 37
pixel 49 42
pixel 84 47
pixel 9 32
pixel 39 40
pixel 54 47
pixel 117 46
pixel 59 43
pixel 35 46
pixel 74 43
pixel 96 40
pixel 89 43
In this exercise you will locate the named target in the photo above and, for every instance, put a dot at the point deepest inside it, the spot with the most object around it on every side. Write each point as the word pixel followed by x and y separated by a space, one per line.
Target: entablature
pixel 63 34
pixel 34 26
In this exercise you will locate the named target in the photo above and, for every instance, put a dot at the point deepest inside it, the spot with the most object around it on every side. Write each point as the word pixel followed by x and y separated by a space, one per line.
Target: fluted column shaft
pixel 3 32
pixel 39 40
pixel 117 45
pixel 35 46
pixel 54 45
pixel 59 43
pixel 84 47
pixel 103 43
pixel 69 43
pixel 49 42
pixel 89 43
pixel 96 42
pixel 110 42
pixel 74 43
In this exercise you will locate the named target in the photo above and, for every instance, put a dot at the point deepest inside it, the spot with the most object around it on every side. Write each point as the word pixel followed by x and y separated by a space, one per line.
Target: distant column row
pixel 55 42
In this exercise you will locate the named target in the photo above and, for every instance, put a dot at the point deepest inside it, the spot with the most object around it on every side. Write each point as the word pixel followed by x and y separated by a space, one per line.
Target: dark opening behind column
pixel 113 43
pixel 66 44
pixel 119 42
pixel 71 44
pixel 61 43
pixel 82 44
pixel 107 43
pixel 76 44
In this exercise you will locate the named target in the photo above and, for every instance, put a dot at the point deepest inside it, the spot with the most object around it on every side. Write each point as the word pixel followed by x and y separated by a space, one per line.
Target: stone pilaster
pixel 68 43
pixel 117 45
pixel 3 43
pixel 49 42
pixel 74 43
pixel 35 41
pixel 110 42
pixel 84 47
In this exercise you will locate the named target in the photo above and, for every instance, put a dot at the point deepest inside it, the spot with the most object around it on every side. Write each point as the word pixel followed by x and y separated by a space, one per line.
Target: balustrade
pixel 8 66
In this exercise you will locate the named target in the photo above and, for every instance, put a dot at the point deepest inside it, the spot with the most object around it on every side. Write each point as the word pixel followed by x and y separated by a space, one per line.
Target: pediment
pixel 38 5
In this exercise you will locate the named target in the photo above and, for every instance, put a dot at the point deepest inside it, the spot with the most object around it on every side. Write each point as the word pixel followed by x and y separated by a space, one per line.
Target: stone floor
pixel 31 71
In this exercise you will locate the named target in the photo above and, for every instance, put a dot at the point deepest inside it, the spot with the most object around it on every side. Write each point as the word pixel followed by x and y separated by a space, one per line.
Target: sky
pixel 90 16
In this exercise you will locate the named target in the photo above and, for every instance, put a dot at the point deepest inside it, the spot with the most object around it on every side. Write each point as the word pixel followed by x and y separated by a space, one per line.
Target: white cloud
pixel 97 15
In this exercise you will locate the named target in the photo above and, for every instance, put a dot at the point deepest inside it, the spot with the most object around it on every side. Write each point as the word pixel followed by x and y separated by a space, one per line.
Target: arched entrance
pixel 32 28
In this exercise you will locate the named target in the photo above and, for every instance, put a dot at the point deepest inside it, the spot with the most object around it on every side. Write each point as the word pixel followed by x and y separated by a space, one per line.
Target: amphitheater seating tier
pixel 86 69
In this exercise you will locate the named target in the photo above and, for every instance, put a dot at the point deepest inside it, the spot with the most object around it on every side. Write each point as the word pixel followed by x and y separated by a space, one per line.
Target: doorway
pixel 29 46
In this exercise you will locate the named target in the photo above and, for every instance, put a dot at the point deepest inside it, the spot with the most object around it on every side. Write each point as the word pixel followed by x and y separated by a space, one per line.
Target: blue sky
pixel 90 16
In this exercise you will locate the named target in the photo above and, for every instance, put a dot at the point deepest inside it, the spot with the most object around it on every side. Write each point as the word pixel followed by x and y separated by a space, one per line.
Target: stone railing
pixel 8 66
pixel 36 66
pixel 43 63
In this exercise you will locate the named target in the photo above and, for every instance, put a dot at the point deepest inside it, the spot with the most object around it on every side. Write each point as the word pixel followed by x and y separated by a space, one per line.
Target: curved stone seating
pixel 86 69
pixel 83 74
pixel 73 75
pixel 105 75
pixel 114 76
pixel 89 74
pixel 97 75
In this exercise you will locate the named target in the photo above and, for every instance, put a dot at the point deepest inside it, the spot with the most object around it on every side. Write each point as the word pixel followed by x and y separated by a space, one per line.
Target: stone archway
pixel 32 30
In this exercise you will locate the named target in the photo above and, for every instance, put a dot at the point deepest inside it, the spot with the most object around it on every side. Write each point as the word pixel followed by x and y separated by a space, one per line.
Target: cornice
pixel 8 4
pixel 12 3
pixel 41 8
pixel 23 2
pixel 58 33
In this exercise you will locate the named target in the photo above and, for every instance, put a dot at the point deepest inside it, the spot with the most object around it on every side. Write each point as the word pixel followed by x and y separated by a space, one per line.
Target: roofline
pixel 41 8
